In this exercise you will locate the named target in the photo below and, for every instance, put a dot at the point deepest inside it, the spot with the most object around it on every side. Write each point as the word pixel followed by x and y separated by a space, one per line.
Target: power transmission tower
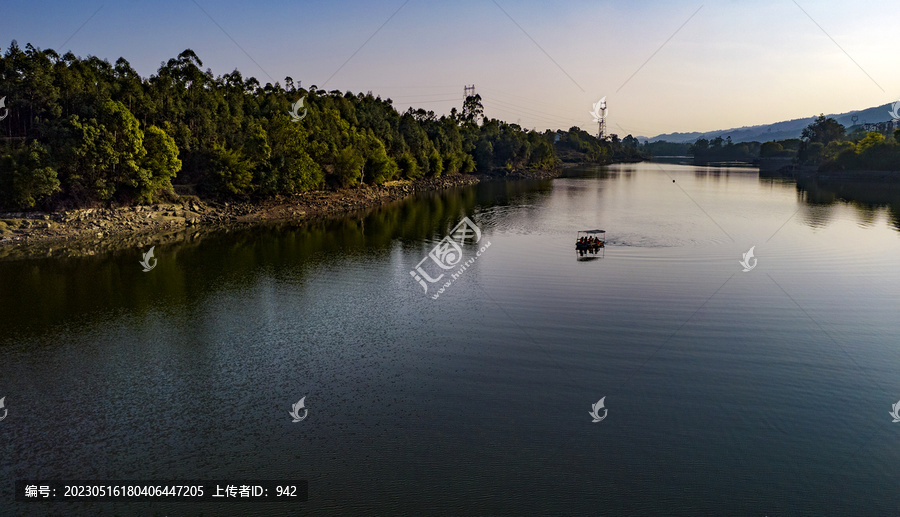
pixel 602 122
pixel 469 91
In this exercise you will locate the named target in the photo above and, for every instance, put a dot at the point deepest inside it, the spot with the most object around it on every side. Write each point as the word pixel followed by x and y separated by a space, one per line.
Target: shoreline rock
pixel 91 231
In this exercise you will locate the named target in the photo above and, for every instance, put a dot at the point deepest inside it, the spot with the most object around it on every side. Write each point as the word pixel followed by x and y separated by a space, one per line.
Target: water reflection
pixel 715 173
pixel 868 198
pixel 41 293
pixel 590 254
pixel 51 291
pixel 620 171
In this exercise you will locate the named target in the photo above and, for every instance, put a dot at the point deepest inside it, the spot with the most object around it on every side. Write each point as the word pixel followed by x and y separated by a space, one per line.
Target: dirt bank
pixel 92 230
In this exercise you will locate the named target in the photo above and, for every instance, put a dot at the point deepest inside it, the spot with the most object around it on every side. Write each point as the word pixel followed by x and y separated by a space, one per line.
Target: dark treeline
pixel 705 150
pixel 83 131
pixel 578 145
pixel 719 150
pixel 824 144
pixel 664 148
pixel 827 146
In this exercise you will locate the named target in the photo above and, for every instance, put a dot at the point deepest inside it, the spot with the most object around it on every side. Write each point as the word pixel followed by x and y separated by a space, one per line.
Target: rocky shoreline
pixel 91 231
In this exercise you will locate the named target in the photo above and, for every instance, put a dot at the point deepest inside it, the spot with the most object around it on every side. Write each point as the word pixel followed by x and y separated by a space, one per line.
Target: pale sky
pixel 662 66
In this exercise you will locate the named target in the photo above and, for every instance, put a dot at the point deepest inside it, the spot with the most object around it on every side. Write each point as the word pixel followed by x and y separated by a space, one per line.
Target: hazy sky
pixel 663 66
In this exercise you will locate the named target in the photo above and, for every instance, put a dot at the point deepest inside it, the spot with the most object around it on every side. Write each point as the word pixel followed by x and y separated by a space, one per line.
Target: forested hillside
pixel 82 131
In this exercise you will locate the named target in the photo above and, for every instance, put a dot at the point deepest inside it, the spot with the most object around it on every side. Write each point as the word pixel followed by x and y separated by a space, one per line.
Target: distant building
pixel 879 127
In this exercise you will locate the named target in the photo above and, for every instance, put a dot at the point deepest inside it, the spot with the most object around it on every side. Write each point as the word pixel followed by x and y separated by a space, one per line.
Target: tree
pixel 452 163
pixel 871 140
pixel 379 167
pixel 408 166
pixel 484 156
pixel 836 148
pixel 106 154
pixel 25 177
pixel 542 155
pixel 161 164
pixel 468 164
pixel 472 110
pixel 230 172
pixel 768 149
pixel 814 152
pixel 289 165
pixel 435 164
pixel 700 146
pixel 823 130
pixel 348 164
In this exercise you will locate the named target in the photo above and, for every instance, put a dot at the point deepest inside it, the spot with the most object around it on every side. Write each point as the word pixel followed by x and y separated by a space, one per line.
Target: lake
pixel 725 392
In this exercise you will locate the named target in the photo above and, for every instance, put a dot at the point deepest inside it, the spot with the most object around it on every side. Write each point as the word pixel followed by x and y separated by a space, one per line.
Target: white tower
pixel 602 122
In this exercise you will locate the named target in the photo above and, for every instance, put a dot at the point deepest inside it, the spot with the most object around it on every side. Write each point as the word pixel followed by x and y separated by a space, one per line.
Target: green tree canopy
pixel 823 130
pixel 84 131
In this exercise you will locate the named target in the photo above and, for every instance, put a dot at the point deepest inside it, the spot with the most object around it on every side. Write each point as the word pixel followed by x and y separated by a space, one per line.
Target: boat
pixel 597 239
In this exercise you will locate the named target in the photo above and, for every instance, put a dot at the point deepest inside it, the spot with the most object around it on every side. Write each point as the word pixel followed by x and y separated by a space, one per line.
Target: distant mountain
pixel 779 130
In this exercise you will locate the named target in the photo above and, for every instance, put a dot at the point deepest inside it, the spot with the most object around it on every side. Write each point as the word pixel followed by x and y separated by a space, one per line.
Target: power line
pixel 507 94
pixel 423 95
pixel 526 108
pixel 427 101
pixel 534 111
pixel 552 123
pixel 449 87
pixel 518 113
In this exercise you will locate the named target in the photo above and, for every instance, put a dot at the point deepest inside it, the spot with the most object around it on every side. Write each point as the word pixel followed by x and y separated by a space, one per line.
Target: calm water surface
pixel 765 392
